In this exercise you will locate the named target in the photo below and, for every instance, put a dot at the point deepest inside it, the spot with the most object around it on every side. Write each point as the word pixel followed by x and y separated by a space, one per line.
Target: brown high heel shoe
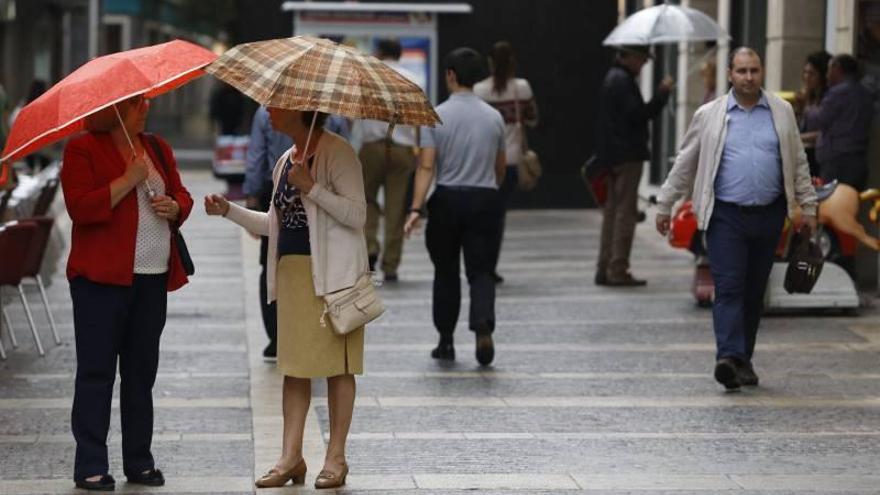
pixel 326 479
pixel 274 478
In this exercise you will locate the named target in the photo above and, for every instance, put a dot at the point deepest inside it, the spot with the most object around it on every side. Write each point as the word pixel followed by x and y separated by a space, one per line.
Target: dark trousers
pixel 741 249
pixel 463 220
pixel 269 311
pixel 115 323
pixel 511 180
pixel 848 168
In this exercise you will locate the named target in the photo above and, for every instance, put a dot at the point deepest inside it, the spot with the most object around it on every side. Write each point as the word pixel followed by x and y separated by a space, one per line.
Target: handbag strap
pixel 153 141
pixel 524 141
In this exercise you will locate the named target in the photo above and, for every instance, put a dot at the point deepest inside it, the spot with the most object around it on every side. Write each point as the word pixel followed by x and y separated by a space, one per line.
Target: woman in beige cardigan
pixel 316 246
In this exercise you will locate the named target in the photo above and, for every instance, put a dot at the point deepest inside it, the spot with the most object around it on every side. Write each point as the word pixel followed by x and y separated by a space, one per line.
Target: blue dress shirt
pixel 750 172
pixel 264 149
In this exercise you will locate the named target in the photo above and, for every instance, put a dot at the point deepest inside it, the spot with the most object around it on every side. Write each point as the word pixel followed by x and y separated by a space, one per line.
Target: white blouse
pixel 153 245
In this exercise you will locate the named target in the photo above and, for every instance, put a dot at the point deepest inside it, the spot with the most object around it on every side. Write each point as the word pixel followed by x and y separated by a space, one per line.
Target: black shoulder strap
pixel 157 150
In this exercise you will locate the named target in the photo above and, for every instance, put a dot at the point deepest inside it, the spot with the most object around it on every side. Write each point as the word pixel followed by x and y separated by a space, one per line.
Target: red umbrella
pixel 99 83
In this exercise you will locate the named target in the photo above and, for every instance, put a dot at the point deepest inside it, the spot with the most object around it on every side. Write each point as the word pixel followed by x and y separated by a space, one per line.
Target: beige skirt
pixel 305 348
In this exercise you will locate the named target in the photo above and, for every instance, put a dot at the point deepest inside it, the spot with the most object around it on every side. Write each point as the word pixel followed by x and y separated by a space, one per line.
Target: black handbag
pixel 804 266
pixel 182 250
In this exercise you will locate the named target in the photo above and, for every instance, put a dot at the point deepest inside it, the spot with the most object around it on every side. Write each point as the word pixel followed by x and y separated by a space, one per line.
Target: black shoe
pixel 497 278
pixel 270 353
pixel 747 375
pixel 372 259
pixel 600 278
pixel 485 349
pixel 726 373
pixel 391 277
pixel 105 484
pixel 445 351
pixel 625 280
pixel 153 477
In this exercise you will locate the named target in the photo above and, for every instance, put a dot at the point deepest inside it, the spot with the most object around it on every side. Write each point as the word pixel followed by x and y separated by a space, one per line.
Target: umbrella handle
pixel 309 137
pixel 150 191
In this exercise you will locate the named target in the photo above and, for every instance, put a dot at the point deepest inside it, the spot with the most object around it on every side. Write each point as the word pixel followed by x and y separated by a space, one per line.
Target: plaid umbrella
pixel 306 73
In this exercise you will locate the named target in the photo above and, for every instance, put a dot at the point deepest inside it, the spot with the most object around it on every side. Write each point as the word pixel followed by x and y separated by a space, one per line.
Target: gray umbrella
pixel 665 24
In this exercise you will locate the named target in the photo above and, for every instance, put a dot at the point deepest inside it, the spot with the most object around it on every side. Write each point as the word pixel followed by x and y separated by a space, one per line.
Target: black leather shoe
pixel 726 372
pixel 747 375
pixel 391 277
pixel 105 484
pixel 625 280
pixel 153 477
pixel 270 352
pixel 485 349
pixel 600 278
pixel 497 278
pixel 445 351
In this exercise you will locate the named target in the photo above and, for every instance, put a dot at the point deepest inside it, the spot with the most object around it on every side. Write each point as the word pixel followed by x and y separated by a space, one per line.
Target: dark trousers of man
pixel 269 311
pixel 463 219
pixel 848 168
pixel 741 242
pixel 511 180
pixel 115 323
pixel 619 220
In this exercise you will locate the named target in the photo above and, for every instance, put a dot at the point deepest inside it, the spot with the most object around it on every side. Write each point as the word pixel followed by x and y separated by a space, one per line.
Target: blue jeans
pixel 741 245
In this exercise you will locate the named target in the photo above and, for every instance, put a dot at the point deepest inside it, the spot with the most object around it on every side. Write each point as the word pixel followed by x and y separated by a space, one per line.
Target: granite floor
pixel 593 389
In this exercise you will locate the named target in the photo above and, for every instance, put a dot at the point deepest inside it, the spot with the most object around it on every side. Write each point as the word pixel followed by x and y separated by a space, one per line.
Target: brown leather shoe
pixel 275 478
pixel 625 280
pixel 327 479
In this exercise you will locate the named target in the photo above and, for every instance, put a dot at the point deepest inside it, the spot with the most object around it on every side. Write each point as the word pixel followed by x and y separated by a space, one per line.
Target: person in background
pixel 708 73
pixel 844 120
pixel 467 153
pixel 227 109
pixel 388 165
pixel 265 147
pixel 807 101
pixel 622 148
pixel 742 162
pixel 513 98
pixel 123 204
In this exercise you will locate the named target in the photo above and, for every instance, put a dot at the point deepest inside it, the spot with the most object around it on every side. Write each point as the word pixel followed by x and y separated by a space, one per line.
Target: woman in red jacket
pixel 124 202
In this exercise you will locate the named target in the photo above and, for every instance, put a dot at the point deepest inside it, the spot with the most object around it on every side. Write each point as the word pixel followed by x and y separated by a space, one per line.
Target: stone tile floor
pixel 593 389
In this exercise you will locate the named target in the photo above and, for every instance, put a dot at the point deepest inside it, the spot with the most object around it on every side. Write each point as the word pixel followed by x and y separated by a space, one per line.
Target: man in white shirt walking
pixel 388 164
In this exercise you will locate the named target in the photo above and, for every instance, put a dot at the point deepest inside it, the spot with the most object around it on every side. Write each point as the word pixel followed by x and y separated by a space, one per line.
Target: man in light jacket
pixel 744 164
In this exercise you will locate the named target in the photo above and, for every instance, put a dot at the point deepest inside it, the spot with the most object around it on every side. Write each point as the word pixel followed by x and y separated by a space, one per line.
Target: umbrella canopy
pixel 99 83
pixel 306 73
pixel 665 24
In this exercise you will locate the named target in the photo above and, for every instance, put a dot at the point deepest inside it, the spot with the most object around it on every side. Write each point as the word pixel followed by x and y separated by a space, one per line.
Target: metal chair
pixel 47 196
pixel 15 241
pixel 34 262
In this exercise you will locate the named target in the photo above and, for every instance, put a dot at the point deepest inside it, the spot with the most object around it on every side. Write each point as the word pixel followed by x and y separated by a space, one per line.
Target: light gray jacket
pixel 336 209
pixel 698 159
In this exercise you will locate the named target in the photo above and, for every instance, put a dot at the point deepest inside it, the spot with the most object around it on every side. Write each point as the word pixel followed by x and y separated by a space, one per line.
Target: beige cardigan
pixel 698 159
pixel 336 209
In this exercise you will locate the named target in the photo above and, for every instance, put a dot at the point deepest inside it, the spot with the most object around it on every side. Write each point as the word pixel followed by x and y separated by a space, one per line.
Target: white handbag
pixel 354 307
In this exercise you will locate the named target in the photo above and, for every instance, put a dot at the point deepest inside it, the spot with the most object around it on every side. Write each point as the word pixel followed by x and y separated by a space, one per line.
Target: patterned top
pixel 153 245
pixel 288 201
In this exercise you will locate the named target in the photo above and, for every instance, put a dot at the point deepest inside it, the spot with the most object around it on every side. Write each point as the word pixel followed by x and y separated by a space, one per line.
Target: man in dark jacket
pixel 844 119
pixel 622 148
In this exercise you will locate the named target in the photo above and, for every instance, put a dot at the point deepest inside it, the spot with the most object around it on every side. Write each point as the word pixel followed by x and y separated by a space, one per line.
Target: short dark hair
pixel 847 63
pixel 742 49
pixel 467 64
pixel 389 48
pixel 307 116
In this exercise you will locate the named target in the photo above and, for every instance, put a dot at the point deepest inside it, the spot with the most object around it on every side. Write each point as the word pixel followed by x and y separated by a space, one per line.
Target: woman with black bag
pixel 126 202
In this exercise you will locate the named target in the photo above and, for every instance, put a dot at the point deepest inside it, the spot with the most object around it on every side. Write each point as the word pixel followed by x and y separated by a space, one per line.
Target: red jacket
pixel 103 238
